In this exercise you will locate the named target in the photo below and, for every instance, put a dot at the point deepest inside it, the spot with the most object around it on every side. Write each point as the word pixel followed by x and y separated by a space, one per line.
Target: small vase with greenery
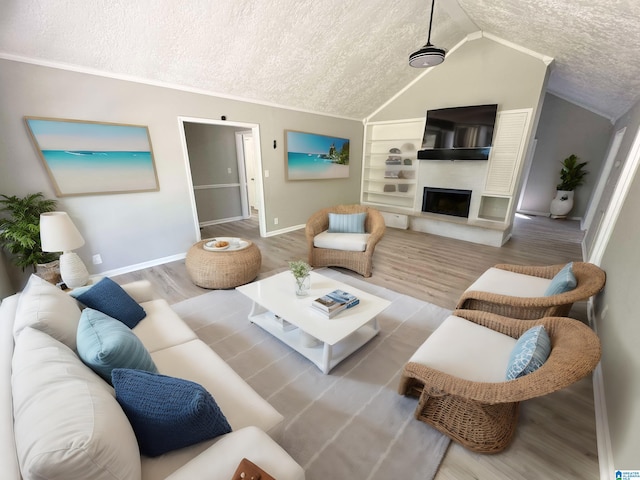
pixel 300 270
pixel 20 229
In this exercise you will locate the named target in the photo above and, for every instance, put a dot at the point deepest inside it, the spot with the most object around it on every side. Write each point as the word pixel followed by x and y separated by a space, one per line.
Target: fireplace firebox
pixel 446 201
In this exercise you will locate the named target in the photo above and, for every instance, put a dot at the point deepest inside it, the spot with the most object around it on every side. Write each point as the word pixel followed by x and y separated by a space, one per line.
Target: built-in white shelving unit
pixel 390 163
pixel 392 179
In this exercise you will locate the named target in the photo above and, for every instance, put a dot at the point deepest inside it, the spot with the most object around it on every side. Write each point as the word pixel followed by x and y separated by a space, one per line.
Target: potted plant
pixel 20 233
pixel 572 176
pixel 300 270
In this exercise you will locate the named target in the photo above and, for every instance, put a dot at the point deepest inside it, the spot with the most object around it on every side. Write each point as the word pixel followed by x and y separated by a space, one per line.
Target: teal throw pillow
pixel 347 222
pixel 167 413
pixel 529 353
pixel 110 298
pixel 105 343
pixel 563 281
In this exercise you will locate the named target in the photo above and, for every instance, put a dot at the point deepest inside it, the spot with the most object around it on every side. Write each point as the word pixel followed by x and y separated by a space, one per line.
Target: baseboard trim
pixel 273 233
pixel 603 438
pixel 140 266
pixel 603 435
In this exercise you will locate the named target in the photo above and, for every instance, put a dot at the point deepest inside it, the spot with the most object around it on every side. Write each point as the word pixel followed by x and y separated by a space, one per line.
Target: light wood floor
pixel 556 436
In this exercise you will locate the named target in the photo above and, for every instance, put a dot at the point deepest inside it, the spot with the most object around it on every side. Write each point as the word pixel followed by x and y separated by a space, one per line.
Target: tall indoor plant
pixel 572 176
pixel 20 230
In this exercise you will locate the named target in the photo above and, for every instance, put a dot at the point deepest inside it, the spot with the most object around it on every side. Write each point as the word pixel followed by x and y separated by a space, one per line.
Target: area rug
pixel 348 424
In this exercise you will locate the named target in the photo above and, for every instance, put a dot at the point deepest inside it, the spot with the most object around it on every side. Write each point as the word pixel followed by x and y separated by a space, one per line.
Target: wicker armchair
pixel 590 280
pixel 360 262
pixel 483 416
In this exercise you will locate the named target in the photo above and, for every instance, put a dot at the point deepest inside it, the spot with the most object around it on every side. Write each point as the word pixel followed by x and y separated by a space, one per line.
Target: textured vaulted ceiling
pixel 342 57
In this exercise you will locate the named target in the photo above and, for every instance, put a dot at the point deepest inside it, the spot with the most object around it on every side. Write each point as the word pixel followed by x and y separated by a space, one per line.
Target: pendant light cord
pixel 433 2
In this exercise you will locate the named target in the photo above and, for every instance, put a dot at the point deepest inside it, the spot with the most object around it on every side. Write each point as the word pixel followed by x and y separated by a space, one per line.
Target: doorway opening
pixel 223 164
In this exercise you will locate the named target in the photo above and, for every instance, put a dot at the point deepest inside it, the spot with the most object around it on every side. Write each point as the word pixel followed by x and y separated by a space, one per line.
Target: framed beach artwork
pixel 89 158
pixel 315 157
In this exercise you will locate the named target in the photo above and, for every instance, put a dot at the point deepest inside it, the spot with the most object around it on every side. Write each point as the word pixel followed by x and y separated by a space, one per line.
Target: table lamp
pixel 59 234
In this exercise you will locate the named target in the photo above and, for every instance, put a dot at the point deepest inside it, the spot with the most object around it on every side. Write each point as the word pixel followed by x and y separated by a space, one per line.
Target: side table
pixel 217 269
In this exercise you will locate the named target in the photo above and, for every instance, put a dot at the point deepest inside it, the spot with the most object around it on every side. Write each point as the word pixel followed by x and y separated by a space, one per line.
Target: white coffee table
pixel 274 300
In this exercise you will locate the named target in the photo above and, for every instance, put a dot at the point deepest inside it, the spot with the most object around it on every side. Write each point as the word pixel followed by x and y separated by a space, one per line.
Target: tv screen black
pixel 459 133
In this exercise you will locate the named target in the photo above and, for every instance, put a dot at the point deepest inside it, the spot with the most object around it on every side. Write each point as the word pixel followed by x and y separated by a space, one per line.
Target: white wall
pixel 478 72
pixel 617 318
pixel 138 228
pixel 564 129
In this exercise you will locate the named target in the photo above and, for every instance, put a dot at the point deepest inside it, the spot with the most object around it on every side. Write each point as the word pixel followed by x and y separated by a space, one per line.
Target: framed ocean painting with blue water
pixel 316 157
pixel 89 158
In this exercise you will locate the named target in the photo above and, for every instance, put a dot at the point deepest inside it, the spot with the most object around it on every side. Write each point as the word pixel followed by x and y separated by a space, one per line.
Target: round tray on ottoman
pixel 213 267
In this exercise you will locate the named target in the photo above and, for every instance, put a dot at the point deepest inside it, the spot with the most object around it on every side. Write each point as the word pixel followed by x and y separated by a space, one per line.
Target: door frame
pixel 241 135
pixel 604 177
pixel 255 129
pixel 605 229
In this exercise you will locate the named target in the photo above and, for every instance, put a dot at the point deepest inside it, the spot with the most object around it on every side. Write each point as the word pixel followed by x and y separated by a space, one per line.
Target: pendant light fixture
pixel 429 55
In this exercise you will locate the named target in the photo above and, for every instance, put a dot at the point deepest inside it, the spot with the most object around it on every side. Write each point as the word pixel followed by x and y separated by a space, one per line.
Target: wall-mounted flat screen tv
pixel 459 133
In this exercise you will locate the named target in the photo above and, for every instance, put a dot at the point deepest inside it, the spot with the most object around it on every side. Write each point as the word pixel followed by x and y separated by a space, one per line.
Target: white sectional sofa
pixel 57 416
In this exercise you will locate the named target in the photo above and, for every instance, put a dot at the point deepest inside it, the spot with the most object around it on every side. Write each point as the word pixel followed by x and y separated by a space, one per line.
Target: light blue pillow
pixel 530 352
pixel 167 413
pixel 563 281
pixel 110 298
pixel 347 222
pixel 105 343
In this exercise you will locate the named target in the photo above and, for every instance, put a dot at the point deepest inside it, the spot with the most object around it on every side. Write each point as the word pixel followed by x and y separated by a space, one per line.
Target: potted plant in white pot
pixel 571 176
pixel 20 234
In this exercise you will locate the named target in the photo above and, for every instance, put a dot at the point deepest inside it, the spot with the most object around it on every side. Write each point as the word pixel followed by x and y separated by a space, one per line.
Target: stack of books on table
pixel 334 302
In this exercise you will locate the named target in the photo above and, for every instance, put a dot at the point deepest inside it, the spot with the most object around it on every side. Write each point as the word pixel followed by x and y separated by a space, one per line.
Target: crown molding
pixel 544 58
pixel 156 83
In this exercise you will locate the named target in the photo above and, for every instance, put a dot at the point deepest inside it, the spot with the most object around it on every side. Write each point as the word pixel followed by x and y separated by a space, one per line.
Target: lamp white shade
pixel 58 233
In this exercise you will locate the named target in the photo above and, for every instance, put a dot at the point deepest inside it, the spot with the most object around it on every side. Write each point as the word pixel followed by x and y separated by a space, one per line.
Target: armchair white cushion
pixel 466 350
pixel 350 242
pixel 504 282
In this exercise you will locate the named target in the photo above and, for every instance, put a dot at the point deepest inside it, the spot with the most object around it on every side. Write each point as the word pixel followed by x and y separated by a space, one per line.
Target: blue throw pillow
pixel 109 297
pixel 530 352
pixel 105 343
pixel 167 413
pixel 347 222
pixel 563 281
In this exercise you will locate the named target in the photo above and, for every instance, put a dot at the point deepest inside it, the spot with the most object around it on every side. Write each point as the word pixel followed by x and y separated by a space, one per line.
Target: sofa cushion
pixel 167 413
pixel 68 425
pixel 466 350
pixel 530 352
pixel 563 281
pixel 45 307
pixel 105 343
pixel 503 282
pixel 353 242
pixel 241 404
pixel 162 327
pixel 347 222
pixel 109 297
pixel 249 442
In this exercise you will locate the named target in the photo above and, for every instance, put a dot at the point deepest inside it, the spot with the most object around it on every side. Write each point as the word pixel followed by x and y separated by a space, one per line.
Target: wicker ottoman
pixel 224 268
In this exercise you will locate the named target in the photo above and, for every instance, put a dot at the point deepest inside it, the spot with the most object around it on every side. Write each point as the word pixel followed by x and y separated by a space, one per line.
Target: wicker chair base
pixel 225 269
pixel 482 428
pixel 359 262
pixel 479 427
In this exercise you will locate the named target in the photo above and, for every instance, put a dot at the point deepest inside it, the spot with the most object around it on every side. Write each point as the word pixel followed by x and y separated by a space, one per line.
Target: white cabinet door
pixel 507 152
